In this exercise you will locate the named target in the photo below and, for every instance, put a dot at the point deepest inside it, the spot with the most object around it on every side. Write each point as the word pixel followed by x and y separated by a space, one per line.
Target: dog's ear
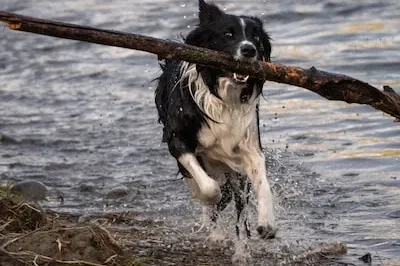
pixel 208 12
pixel 265 48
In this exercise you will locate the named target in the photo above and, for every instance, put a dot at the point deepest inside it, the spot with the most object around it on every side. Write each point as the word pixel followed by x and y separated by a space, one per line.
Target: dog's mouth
pixel 239 78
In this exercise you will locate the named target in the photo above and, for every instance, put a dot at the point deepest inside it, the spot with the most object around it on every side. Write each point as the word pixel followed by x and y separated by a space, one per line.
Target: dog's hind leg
pixel 226 191
pixel 241 189
pixel 246 221
pixel 241 192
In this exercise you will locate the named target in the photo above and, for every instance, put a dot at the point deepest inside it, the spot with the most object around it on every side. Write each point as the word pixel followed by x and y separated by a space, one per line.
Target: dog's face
pixel 240 36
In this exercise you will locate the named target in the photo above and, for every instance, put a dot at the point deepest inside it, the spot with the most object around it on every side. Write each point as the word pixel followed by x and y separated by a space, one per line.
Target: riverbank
pixel 30 235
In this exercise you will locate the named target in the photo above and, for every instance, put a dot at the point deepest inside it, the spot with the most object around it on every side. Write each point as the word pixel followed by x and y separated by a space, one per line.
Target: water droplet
pixel 188 26
pixel 183 5
pixel 184 17
pixel 180 109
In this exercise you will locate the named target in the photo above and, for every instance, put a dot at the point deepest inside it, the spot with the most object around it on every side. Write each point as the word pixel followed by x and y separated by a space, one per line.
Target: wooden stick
pixel 329 85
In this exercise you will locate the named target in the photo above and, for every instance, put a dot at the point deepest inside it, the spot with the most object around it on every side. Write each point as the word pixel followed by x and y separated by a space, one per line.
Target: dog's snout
pixel 248 50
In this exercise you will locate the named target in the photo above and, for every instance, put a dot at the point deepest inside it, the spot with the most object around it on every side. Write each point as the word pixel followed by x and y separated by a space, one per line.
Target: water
pixel 81 118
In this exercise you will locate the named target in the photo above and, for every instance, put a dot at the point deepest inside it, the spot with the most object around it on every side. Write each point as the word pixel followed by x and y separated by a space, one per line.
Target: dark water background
pixel 81 118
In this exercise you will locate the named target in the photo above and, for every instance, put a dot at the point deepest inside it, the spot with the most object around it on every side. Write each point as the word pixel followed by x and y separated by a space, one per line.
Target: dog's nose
pixel 248 50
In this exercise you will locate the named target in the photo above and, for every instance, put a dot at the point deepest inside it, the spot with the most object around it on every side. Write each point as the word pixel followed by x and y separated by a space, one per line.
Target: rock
pixel 117 193
pixel 366 258
pixel 30 190
pixel 86 188
pixel 7 140
pixel 395 214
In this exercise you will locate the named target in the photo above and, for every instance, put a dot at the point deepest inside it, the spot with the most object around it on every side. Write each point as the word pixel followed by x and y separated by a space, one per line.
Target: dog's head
pixel 243 37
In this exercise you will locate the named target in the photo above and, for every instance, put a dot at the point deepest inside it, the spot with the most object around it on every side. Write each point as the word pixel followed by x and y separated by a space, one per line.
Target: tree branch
pixel 329 85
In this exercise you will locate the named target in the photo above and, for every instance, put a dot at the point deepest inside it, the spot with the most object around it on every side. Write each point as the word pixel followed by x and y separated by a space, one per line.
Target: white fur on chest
pixel 234 125
pixel 222 141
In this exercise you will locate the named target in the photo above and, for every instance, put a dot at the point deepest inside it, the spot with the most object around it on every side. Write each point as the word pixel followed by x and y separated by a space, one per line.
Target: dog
pixel 210 118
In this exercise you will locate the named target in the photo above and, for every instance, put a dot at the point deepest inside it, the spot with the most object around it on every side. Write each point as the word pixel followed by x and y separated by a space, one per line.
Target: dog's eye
pixel 228 34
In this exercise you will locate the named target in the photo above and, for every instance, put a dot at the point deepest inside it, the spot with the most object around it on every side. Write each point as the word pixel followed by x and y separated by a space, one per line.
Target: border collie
pixel 211 121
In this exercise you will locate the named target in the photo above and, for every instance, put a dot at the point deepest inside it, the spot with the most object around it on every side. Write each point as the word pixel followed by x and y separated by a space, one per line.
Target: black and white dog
pixel 210 117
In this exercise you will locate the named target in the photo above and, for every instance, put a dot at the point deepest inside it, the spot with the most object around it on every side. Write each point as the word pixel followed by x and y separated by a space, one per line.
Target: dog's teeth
pixel 240 78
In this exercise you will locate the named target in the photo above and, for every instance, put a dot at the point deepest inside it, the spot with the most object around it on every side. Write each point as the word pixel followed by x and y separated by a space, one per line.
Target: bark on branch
pixel 329 85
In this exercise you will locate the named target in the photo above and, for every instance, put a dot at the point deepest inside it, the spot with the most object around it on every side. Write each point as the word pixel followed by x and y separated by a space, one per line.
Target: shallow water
pixel 81 118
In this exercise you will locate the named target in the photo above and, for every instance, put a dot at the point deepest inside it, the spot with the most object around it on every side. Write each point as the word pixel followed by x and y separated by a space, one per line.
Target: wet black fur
pixel 181 117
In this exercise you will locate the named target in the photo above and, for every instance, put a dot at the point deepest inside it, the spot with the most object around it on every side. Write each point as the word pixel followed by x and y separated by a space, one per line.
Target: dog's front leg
pixel 254 164
pixel 209 191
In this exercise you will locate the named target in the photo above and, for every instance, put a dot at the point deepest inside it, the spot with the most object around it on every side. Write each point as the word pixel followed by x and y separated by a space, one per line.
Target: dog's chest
pixel 236 125
pixel 230 124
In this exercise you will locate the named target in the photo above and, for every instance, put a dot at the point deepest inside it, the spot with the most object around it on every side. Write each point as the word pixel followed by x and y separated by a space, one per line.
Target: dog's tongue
pixel 240 78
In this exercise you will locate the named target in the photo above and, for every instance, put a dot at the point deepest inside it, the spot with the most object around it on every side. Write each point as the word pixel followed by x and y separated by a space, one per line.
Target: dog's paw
pixel 266 232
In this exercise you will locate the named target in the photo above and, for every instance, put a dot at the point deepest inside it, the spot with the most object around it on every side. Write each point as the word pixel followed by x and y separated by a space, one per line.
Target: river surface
pixel 81 118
